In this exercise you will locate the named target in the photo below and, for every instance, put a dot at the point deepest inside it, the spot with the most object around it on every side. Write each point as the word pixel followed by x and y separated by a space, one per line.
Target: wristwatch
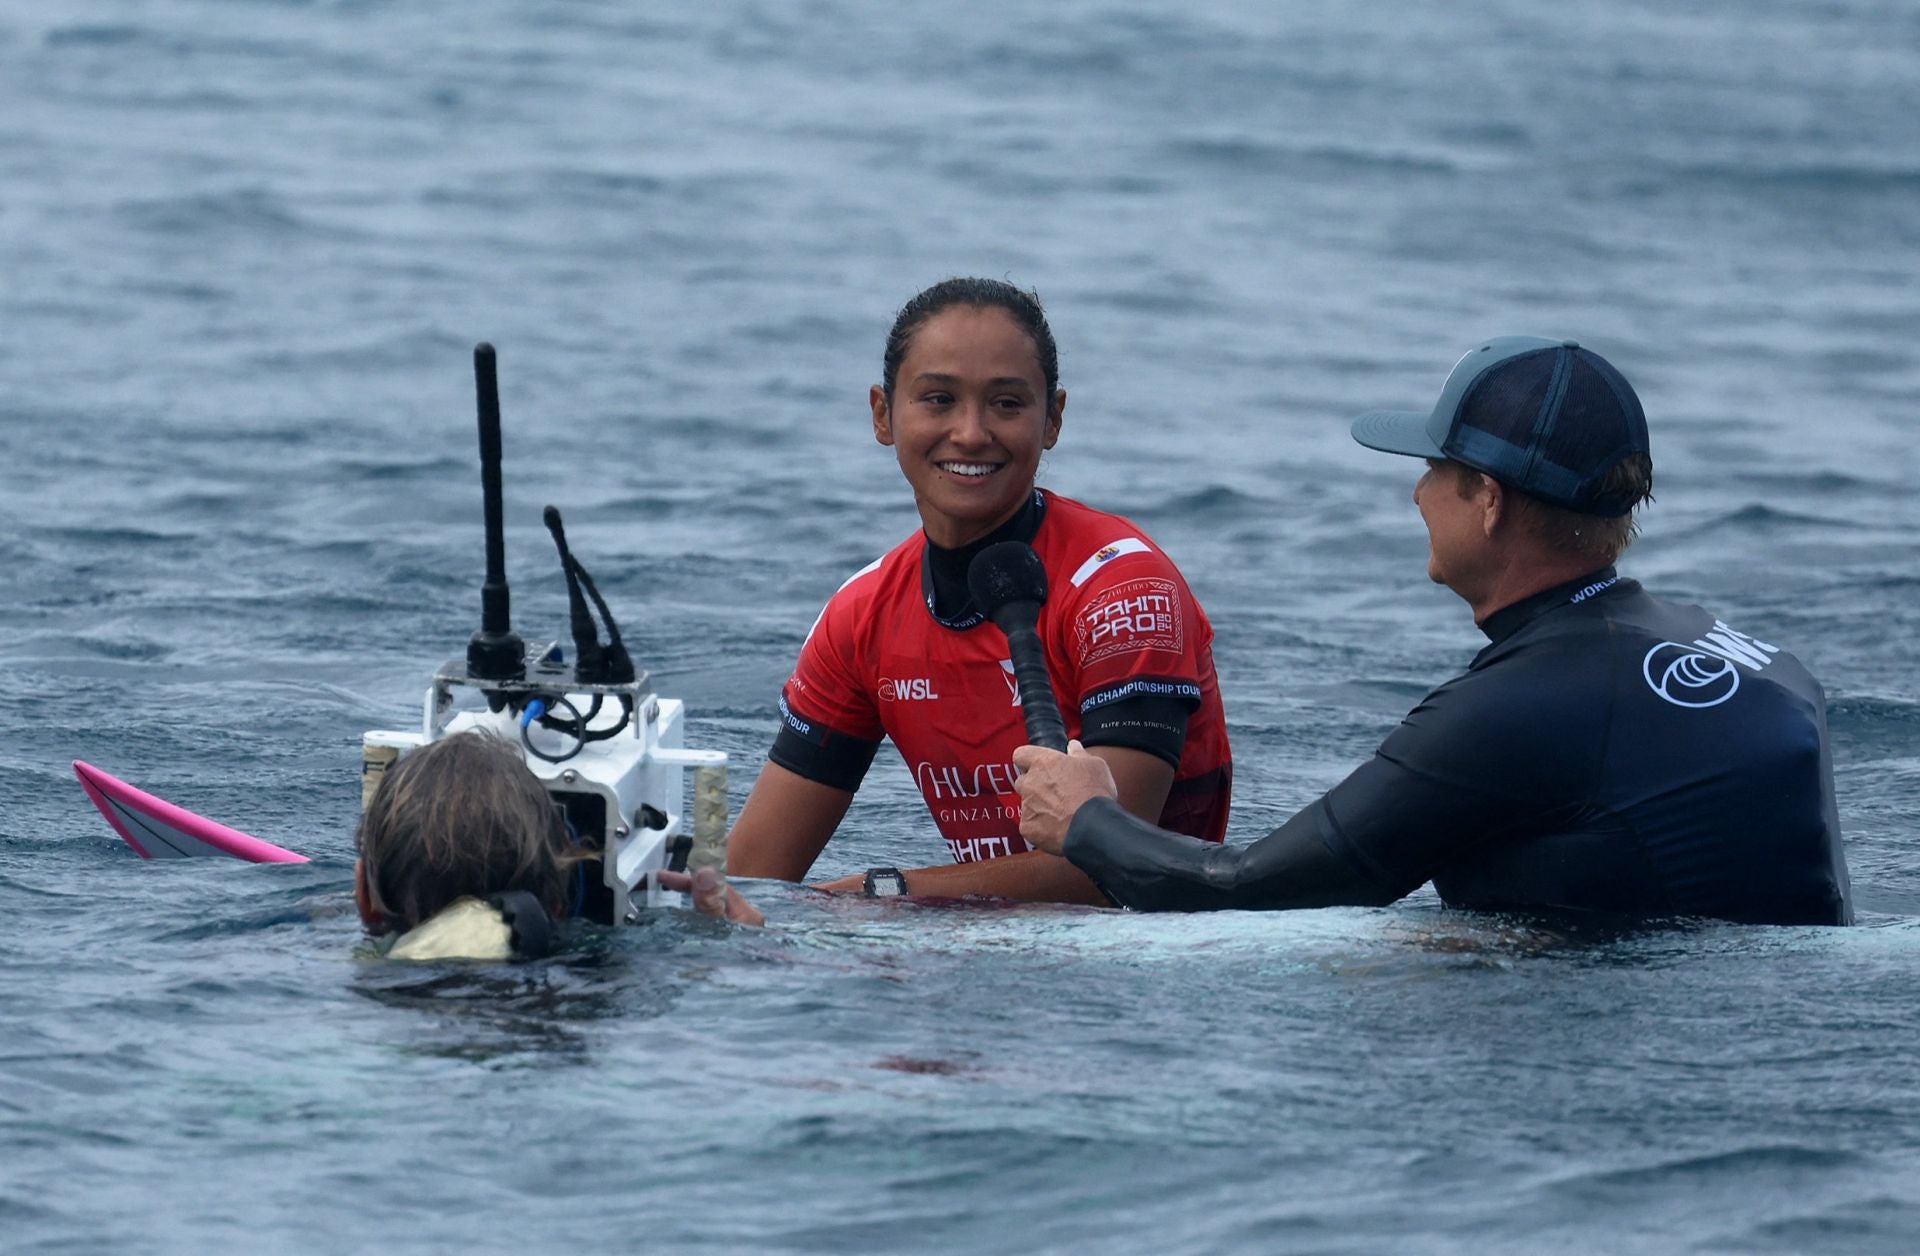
pixel 885 883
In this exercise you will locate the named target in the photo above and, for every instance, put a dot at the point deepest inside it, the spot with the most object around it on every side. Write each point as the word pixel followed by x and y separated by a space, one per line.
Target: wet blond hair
pixel 462 816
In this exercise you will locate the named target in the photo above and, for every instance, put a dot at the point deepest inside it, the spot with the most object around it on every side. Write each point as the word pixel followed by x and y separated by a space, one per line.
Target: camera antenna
pixel 496 651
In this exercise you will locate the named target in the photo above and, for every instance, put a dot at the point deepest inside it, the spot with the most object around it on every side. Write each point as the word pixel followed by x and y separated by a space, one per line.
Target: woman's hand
pixel 712 896
pixel 1053 786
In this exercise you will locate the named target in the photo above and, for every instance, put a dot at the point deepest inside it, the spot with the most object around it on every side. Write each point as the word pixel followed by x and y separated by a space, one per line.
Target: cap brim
pixel 1396 432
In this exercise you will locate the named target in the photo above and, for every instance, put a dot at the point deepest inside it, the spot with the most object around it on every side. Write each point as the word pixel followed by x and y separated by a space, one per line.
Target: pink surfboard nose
pixel 157 829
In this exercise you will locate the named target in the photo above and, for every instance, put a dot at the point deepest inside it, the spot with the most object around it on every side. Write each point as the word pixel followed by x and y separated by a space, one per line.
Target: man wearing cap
pixel 1607 752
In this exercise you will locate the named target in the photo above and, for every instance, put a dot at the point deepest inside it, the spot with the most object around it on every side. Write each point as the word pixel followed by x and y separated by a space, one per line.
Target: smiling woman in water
pixel 969 400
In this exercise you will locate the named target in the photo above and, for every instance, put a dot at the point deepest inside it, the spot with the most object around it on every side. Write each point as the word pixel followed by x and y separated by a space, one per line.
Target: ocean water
pixel 245 249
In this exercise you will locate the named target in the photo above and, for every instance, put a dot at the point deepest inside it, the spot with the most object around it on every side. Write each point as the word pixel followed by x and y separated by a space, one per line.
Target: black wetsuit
pixel 1608 752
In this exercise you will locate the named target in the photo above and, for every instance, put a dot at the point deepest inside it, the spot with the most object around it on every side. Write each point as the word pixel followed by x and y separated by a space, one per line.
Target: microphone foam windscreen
pixel 1005 573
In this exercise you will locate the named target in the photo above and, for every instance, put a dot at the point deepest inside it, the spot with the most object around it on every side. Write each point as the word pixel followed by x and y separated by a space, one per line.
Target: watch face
pixel 885 883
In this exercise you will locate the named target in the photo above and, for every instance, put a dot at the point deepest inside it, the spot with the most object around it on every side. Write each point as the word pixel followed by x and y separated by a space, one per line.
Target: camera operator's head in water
pixel 456 840
pixel 459 818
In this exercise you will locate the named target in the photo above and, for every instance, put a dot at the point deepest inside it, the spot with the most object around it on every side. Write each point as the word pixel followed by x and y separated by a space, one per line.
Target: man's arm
pixel 1150 869
pixel 1310 861
pixel 1142 782
pixel 1490 754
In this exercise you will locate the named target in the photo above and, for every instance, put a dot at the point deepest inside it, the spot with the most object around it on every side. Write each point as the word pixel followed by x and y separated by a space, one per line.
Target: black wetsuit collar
pixel 943 572
pixel 1508 620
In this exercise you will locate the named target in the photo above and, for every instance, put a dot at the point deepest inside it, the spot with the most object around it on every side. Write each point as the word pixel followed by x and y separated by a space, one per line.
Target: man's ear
pixel 1495 507
pixel 882 415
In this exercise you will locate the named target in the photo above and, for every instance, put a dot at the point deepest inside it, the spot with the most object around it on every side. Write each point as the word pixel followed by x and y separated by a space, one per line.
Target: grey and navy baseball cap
pixel 1546 417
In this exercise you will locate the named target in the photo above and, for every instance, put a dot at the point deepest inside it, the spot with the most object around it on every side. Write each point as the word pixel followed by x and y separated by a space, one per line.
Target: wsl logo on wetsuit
pixel 1707 672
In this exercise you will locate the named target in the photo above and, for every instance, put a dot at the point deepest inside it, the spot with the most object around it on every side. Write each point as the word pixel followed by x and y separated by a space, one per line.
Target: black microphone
pixel 1009 584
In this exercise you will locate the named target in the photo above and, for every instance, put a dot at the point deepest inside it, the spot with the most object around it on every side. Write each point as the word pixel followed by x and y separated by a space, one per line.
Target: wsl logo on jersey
pixel 1707 672
pixel 907 689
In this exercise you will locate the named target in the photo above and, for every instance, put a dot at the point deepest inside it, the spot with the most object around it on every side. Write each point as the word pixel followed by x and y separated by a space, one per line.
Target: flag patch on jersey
pixel 1141 614
pixel 1106 554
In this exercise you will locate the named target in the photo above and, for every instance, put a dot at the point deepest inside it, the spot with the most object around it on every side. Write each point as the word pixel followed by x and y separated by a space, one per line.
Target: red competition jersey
pixel 1119 623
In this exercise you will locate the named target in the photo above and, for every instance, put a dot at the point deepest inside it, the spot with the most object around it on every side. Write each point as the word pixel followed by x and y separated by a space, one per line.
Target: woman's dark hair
pixel 1022 306
pixel 460 817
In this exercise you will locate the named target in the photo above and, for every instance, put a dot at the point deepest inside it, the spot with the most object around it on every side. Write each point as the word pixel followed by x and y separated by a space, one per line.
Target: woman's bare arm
pixel 784 825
